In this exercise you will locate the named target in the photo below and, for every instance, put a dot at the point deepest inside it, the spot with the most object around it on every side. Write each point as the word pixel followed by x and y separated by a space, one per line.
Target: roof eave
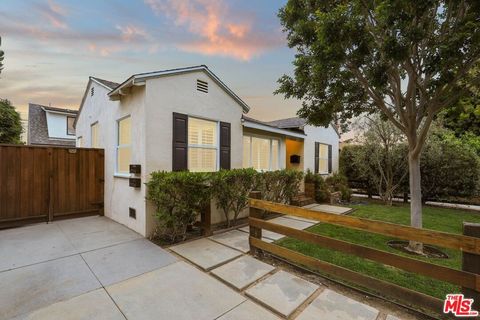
pixel 270 129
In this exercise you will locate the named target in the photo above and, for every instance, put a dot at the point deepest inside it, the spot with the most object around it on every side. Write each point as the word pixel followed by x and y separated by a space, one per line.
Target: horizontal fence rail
pixel 443 239
pixel 470 245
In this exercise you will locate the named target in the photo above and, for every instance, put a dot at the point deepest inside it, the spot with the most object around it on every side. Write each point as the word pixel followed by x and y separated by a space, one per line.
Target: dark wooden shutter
pixel 316 156
pixel 180 142
pixel 329 158
pixel 225 145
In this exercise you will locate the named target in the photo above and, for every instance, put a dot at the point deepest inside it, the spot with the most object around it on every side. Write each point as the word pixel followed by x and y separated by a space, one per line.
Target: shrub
pixel 231 189
pixel 339 183
pixel 179 198
pixel 279 186
pixel 322 194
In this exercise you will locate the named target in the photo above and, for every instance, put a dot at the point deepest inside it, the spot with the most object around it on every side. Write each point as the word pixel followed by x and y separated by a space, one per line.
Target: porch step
pixel 302 200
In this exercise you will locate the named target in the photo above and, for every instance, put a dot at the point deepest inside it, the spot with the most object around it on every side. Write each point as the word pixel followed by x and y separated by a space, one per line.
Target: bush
pixel 449 169
pixel 279 186
pixel 339 183
pixel 179 198
pixel 231 189
pixel 322 194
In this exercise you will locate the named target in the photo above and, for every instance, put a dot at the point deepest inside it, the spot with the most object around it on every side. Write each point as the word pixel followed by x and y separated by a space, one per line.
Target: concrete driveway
pixel 94 268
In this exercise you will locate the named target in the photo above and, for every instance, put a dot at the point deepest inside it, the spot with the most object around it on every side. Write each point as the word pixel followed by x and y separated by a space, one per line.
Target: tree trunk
pixel 416 199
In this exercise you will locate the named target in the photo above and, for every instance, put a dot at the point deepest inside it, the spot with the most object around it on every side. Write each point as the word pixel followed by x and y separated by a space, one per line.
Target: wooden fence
pixel 468 278
pixel 48 183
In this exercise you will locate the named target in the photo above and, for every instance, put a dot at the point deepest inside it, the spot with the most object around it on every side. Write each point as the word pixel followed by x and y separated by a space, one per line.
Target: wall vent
pixel 132 213
pixel 202 86
pixel 92 91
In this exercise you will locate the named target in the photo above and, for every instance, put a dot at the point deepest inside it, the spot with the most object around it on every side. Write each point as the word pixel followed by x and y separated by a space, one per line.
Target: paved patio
pixel 94 268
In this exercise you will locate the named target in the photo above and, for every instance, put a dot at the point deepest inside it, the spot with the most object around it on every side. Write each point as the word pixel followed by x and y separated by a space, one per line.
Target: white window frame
pixel 117 146
pixel 320 158
pixel 206 146
pixel 250 164
pixel 91 135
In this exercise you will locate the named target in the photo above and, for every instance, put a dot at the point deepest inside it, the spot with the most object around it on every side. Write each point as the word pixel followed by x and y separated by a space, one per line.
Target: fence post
pixel 51 193
pixel 206 219
pixel 254 231
pixel 471 262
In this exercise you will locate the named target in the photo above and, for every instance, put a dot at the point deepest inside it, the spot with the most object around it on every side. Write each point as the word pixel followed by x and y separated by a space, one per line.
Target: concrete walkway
pixel 94 268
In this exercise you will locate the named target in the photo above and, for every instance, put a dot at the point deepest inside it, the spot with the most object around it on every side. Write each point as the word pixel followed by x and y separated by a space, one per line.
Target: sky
pixel 53 46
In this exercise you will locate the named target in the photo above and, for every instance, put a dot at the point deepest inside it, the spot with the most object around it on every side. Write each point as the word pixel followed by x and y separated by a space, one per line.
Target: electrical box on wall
pixel 132 213
pixel 135 168
pixel 294 158
pixel 134 182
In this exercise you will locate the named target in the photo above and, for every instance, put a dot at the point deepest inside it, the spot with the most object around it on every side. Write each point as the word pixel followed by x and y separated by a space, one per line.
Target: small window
pixel 202 145
pixel 262 154
pixel 92 91
pixel 202 86
pixel 124 145
pixel 323 158
pixel 94 136
pixel 70 128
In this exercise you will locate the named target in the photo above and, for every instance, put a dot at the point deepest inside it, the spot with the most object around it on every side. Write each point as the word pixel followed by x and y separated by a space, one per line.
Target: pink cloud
pixel 211 22
pixel 132 32
pixel 55 14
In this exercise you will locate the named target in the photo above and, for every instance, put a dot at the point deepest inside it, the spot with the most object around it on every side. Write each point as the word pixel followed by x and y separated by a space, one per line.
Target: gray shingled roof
pixel 112 85
pixel 38 130
pixel 288 123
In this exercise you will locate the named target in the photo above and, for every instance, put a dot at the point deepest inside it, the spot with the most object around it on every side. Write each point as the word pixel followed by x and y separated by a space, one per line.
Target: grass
pixel 441 219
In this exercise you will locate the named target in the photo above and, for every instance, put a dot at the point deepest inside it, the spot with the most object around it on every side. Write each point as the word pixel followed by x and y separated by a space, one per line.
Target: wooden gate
pixel 49 183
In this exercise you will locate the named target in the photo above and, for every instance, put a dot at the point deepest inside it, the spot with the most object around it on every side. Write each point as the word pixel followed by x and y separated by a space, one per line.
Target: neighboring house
pixel 186 119
pixel 51 126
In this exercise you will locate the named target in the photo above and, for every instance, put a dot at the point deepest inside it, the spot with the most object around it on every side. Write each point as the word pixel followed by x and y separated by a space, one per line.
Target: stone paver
pixel 292 223
pixel 249 310
pixel 301 219
pixel 331 305
pixel 116 263
pixel 390 317
pixel 95 232
pixel 206 253
pixel 94 305
pixel 234 239
pixel 243 271
pixel 282 292
pixel 178 291
pixel 267 236
pixel 29 288
pixel 33 244
pixel 330 209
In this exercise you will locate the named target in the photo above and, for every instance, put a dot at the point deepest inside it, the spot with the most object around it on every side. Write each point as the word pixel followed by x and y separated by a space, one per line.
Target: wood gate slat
pixel 25 194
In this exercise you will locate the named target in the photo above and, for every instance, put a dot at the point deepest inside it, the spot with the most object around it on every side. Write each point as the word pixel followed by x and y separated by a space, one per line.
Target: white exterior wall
pixel 178 93
pixel 119 197
pixel 323 135
pixel 57 125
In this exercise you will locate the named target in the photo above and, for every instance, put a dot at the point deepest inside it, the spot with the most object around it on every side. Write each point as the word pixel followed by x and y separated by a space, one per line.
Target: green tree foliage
pixel 10 124
pixel 407 60
pixel 231 189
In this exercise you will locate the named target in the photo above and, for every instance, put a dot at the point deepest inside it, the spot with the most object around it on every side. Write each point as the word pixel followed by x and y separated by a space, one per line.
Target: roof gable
pixel 140 78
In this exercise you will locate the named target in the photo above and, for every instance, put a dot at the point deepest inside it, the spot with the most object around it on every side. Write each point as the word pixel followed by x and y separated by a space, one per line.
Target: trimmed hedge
pixel 179 197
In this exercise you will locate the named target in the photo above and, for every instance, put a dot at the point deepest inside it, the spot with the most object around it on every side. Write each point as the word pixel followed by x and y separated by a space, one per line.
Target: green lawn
pixel 448 220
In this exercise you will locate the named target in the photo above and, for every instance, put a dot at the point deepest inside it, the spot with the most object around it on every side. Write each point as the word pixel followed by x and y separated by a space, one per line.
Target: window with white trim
pixel 202 145
pixel 124 145
pixel 94 136
pixel 259 153
pixel 323 158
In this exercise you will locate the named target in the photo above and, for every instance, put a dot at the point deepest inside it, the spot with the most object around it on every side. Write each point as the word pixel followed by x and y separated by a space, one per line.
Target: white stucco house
pixel 186 119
